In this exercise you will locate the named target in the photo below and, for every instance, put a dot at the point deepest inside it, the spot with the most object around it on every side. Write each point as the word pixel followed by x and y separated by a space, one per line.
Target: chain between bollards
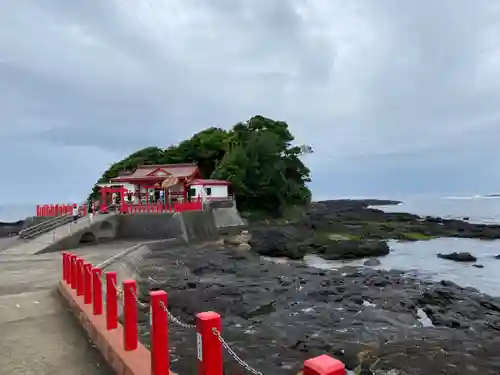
pixel 235 356
pixel 174 320
pixel 141 304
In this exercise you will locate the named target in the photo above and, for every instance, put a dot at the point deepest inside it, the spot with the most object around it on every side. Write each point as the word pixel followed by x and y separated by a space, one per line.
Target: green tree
pixel 265 169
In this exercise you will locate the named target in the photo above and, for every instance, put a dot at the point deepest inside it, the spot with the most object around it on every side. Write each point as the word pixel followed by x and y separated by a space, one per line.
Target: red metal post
pixel 79 276
pixel 323 365
pixel 160 361
pixel 209 348
pixel 111 301
pixel 87 283
pixel 97 290
pixel 130 330
pixel 64 265
pixel 68 268
pixel 72 260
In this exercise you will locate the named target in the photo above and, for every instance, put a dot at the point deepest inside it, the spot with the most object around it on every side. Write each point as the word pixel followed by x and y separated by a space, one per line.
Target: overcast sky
pixel 395 97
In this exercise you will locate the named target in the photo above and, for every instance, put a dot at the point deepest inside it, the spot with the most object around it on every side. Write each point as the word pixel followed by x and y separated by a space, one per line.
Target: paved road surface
pixel 38 335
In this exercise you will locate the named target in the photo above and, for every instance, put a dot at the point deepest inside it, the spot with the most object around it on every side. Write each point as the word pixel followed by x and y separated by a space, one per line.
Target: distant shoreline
pixel 9 229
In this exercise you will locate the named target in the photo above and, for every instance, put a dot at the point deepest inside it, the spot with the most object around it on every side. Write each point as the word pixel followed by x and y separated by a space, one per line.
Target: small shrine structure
pixel 166 183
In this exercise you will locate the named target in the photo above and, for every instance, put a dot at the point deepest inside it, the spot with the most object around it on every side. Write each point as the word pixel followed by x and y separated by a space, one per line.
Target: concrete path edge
pixel 109 343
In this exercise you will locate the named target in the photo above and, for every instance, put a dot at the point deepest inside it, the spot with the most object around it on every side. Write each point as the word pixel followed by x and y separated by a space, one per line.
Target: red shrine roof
pixel 200 181
pixel 159 172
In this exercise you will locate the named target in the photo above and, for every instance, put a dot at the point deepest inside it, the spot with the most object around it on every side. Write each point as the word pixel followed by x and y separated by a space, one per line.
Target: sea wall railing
pixel 62 209
pixel 55 210
pixel 86 281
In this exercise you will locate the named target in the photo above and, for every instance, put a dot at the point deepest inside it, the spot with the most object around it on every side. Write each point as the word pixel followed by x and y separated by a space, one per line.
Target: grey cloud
pixel 384 91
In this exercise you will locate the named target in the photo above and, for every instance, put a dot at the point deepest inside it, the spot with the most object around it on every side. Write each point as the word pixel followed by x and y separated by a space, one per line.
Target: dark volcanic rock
pixel 371 262
pixel 294 243
pixel 497 256
pixel 277 242
pixel 458 257
pixel 346 249
pixel 478 265
pixel 277 315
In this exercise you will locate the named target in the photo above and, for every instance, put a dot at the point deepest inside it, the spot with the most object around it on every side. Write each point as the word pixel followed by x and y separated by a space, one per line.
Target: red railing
pixel 86 281
pixel 194 205
pixel 66 209
pixel 59 209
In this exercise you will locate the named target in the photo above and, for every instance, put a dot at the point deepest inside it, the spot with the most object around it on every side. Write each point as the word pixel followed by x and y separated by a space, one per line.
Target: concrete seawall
pixel 150 226
pixel 197 226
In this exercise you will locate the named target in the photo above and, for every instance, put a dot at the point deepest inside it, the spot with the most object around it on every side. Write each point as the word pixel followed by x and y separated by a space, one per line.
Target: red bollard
pixel 97 291
pixel 68 268
pixel 208 344
pixel 130 330
pixel 323 365
pixel 73 271
pixel 160 361
pixel 79 276
pixel 111 301
pixel 64 265
pixel 87 284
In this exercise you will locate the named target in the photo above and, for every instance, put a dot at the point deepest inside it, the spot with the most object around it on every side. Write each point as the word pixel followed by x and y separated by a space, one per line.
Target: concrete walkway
pixel 38 335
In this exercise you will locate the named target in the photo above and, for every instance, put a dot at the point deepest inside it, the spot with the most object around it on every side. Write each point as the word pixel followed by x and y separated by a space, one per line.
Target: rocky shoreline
pixel 349 229
pixel 276 314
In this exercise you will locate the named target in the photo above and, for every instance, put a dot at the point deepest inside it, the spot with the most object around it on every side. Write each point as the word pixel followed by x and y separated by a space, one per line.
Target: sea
pixel 417 258
pixel 420 258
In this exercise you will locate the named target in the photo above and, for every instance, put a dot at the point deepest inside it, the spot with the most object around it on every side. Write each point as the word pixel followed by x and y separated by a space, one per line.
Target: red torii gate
pixel 104 191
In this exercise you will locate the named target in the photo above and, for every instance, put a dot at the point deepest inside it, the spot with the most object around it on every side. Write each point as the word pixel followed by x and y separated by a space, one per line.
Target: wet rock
pixel 478 265
pixel 294 243
pixel 497 256
pixel 371 262
pixel 458 257
pixel 277 242
pixel 278 315
pixel 346 249
pixel 264 309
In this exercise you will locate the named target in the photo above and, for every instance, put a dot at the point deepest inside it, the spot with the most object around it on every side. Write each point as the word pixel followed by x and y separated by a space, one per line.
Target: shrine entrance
pixel 105 191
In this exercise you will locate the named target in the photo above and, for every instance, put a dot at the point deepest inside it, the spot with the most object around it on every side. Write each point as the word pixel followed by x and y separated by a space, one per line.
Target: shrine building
pixel 179 182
